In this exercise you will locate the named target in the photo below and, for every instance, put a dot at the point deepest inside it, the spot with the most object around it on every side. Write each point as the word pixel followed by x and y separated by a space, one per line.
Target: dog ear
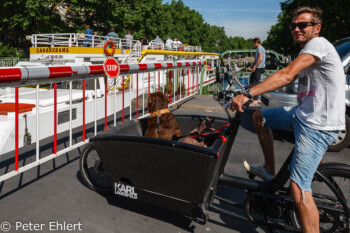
pixel 166 98
pixel 150 100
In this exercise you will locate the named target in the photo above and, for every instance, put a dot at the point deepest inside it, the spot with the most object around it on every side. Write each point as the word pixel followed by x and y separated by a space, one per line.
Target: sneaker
pixel 257 170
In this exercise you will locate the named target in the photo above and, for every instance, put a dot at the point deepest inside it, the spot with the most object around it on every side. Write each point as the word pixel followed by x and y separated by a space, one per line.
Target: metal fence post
pixel 201 80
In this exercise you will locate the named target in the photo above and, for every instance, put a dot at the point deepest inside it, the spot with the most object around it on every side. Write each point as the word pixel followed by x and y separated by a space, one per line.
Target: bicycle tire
pixel 340 178
pixel 92 171
pixel 329 223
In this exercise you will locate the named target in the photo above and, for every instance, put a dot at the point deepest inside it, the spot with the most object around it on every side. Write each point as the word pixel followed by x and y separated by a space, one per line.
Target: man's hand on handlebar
pixel 238 102
pixel 252 69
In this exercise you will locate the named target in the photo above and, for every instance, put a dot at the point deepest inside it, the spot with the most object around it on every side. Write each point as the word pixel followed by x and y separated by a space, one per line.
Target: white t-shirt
pixel 321 94
pixel 128 40
pixel 261 50
pixel 168 43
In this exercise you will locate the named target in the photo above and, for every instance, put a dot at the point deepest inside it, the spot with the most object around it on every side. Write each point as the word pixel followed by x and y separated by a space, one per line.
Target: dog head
pixel 157 101
pixel 205 125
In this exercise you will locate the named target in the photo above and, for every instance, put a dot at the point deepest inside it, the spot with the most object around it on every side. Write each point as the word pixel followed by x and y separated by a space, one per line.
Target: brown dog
pixel 162 123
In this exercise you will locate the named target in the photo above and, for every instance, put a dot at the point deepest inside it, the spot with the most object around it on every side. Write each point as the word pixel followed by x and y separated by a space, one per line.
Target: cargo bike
pixel 185 178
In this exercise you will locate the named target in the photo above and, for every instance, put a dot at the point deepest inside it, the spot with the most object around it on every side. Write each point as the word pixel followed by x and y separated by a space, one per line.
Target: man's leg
pixel 266 142
pixel 309 148
pixel 272 118
pixel 255 79
pixel 307 209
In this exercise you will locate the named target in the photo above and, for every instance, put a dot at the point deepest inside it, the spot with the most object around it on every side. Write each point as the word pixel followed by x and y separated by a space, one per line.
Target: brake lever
pixel 232 95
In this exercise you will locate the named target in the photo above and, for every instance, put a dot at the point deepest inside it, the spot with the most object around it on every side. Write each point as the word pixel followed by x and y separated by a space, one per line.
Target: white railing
pixel 86 105
pixel 10 61
pixel 134 54
pixel 78 40
pixel 157 45
pixel 84 40
pixel 52 40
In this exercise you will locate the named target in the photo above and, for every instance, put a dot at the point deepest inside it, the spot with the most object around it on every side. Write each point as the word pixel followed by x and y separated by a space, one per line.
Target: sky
pixel 245 18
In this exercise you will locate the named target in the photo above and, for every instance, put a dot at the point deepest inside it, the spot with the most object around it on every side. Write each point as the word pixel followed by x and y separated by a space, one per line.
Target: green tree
pixel 149 18
pixel 336 23
pixel 138 16
pixel 8 51
pixel 30 16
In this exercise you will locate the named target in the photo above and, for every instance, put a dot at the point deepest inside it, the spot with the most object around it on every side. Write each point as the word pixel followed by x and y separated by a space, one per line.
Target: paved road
pixel 55 194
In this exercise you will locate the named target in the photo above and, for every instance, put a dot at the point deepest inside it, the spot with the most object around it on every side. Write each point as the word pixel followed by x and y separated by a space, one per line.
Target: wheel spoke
pixel 93 172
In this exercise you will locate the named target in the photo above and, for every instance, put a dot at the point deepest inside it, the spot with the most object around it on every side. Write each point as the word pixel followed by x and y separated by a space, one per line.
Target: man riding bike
pixel 317 118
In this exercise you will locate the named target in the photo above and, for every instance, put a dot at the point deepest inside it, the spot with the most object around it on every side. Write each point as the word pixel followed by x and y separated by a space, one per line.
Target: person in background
pixel 158 42
pixel 128 40
pixel 257 67
pixel 112 35
pixel 175 44
pixel 317 118
pixel 168 43
pixel 157 39
pixel 144 42
pixel 88 36
pixel 97 42
pixel 180 45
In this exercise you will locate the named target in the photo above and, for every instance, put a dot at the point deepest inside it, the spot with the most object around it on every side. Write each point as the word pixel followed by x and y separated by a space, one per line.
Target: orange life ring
pixel 181 48
pixel 105 50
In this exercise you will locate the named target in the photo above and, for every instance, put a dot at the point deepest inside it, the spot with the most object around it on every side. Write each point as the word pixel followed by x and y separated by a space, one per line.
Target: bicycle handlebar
pixel 225 97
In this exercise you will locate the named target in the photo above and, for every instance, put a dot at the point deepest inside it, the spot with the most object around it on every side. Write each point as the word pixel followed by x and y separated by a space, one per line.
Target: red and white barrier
pixel 16 76
pixel 22 74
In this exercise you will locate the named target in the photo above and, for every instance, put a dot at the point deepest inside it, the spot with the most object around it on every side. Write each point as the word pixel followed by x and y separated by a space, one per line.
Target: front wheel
pixel 331 193
pixel 93 172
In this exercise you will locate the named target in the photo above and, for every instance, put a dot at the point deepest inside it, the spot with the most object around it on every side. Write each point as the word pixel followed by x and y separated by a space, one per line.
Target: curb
pixel 197 107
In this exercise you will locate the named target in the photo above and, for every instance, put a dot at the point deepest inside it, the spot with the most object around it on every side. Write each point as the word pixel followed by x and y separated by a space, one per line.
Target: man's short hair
pixel 316 13
pixel 257 40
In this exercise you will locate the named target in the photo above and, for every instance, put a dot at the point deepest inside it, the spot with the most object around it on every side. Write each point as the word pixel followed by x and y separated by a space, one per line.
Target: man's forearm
pixel 276 80
pixel 252 65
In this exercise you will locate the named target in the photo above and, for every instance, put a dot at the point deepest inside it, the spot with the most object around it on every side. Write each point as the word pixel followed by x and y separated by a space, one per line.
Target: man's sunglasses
pixel 301 25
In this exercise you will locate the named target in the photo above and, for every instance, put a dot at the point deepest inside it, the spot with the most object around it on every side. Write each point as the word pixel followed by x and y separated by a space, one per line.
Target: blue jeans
pixel 255 78
pixel 227 81
pixel 310 144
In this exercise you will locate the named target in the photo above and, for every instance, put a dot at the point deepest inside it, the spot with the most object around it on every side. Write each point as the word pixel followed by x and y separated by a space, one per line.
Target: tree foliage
pixel 30 16
pixel 188 25
pixel 148 18
pixel 335 25
pixel 8 51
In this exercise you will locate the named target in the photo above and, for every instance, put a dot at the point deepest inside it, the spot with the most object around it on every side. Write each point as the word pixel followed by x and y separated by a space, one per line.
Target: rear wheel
pixel 93 172
pixel 330 189
pixel 340 178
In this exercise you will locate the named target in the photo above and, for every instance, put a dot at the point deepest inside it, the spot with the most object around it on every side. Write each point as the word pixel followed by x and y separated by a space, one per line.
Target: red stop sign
pixel 111 67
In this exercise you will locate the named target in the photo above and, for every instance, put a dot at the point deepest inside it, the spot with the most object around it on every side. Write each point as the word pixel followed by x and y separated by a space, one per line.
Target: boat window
pixel 63 116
